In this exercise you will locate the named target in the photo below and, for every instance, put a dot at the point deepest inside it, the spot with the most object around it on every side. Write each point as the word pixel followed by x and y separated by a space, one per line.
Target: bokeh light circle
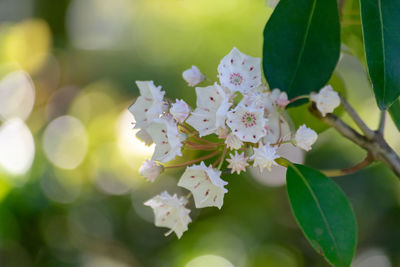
pixel 17 95
pixel 65 142
pixel 17 147
pixel 209 261
pixel 131 148
pixel 104 28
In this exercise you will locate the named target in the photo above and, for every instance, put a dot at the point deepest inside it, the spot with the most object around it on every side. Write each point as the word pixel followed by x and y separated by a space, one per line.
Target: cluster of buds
pixel 239 120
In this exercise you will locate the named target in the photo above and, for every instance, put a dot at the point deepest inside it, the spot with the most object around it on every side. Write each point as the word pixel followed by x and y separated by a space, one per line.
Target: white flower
pixel 326 100
pixel 305 137
pixel 212 108
pixel 237 162
pixel 170 211
pixel 277 127
pixel 149 105
pixel 150 170
pixel 233 142
pixel 247 123
pixel 193 76
pixel 264 156
pixel 144 136
pixel 205 184
pixel 239 72
pixel 168 140
pixel 254 99
pixel 180 110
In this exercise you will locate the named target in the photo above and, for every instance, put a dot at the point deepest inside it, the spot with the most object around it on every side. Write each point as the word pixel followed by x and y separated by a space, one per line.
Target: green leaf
pixel 301 115
pixel 381 24
pixel 394 111
pixel 301 45
pixel 323 213
pixel 351 33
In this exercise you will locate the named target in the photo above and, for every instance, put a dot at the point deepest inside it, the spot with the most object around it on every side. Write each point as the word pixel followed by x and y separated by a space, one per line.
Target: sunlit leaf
pixel 323 213
pixel 381 24
pixel 301 45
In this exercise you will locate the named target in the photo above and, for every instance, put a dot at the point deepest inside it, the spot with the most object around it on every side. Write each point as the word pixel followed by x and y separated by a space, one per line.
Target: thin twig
pixel 193 161
pixel 334 173
pixel 377 147
pixel 357 119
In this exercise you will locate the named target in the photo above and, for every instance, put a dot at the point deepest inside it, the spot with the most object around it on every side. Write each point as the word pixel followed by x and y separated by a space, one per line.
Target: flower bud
pixel 222 132
pixel 305 137
pixel 193 76
pixel 150 170
pixel 233 142
pixel 180 110
pixel 326 100
pixel 282 100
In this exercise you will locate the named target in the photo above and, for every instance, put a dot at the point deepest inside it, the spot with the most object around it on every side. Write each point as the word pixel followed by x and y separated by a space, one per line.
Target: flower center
pixel 236 79
pixel 249 119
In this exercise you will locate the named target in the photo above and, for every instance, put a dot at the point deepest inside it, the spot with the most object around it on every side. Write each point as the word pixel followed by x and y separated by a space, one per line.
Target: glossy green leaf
pixel 301 45
pixel 351 32
pixel 323 213
pixel 394 111
pixel 301 114
pixel 381 24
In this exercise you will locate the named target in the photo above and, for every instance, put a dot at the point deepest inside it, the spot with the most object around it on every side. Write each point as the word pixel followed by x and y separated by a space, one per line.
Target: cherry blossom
pixel 205 184
pixel 237 162
pixel 239 72
pixel 247 123
pixel 170 211
pixel 149 105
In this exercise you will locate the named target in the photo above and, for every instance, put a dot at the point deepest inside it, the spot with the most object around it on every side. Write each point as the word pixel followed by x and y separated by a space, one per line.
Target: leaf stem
pixel 221 160
pixel 382 121
pixel 334 173
pixel 298 98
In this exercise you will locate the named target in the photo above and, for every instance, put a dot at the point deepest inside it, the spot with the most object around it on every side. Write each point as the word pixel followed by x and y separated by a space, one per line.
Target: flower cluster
pixel 239 120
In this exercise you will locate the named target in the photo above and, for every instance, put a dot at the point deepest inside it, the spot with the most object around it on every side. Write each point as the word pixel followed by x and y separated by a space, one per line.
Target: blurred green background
pixel 70 192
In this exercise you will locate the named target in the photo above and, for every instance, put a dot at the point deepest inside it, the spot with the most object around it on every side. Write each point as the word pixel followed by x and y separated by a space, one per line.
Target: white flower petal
pixel 205 184
pixel 239 72
pixel 264 156
pixel 170 211
pixel 150 170
pixel 247 123
pixel 167 139
pixel 149 105
pixel 211 110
